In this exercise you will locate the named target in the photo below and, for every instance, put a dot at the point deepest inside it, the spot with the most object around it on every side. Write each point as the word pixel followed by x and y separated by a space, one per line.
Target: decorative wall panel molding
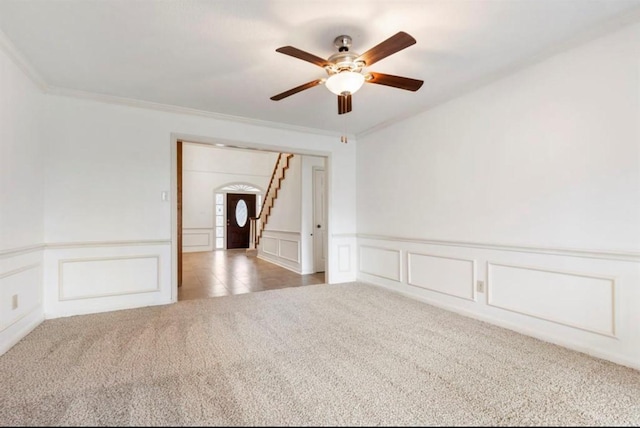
pixel 95 244
pixel 574 299
pixel 269 245
pixel 13 252
pixel 582 300
pixel 448 275
pixel 25 284
pixel 633 256
pixel 108 276
pixel 289 232
pixel 289 250
pixel 196 239
pixel 282 248
pixel 379 261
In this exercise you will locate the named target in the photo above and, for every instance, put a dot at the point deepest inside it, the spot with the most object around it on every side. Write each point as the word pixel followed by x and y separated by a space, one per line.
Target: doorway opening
pixel 214 212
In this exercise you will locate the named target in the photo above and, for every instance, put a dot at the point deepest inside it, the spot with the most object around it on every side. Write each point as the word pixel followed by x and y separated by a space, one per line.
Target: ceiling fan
pixel 346 69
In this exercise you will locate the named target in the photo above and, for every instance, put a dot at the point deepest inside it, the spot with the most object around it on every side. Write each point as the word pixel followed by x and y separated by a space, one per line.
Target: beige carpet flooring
pixel 350 354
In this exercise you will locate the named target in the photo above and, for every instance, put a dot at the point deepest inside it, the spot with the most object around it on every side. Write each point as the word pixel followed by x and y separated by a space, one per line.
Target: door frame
pixel 219 142
pixel 178 200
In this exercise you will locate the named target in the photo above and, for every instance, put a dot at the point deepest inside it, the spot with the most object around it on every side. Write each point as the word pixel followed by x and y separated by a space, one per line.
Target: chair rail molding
pixel 619 255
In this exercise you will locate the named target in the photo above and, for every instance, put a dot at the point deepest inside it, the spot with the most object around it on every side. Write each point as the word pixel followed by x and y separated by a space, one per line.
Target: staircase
pixel 258 224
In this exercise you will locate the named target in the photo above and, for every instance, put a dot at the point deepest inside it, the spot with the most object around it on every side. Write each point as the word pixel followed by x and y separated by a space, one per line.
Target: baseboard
pixel 84 310
pixel 16 332
pixel 277 262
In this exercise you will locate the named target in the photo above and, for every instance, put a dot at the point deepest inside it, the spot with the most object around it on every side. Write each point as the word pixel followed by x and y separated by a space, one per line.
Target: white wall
pixel 107 165
pixel 21 203
pixel 531 184
pixel 21 160
pixel 206 168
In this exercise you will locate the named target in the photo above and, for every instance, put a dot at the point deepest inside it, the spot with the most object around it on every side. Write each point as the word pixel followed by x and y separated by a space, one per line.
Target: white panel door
pixel 319 220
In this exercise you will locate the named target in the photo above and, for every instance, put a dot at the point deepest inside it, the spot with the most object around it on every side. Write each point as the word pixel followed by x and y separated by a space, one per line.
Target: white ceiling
pixel 219 56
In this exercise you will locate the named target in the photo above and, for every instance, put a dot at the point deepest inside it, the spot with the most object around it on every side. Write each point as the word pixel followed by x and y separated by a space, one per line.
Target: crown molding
pixel 589 34
pixel 169 108
pixel 18 59
pixel 602 29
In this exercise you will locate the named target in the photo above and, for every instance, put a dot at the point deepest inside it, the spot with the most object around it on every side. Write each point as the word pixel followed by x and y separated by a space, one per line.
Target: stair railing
pixel 273 176
pixel 279 171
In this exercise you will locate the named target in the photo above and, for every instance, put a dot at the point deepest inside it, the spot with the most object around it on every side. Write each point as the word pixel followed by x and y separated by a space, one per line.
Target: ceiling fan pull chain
pixel 343 138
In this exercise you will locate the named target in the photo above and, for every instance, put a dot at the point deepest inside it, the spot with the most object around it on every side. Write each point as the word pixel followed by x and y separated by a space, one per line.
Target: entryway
pixel 221 190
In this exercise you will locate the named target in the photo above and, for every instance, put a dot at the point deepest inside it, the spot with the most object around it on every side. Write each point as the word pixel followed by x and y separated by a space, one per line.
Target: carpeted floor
pixel 349 354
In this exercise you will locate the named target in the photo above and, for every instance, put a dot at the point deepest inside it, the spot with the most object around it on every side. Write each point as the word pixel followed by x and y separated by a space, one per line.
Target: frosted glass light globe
pixel 346 81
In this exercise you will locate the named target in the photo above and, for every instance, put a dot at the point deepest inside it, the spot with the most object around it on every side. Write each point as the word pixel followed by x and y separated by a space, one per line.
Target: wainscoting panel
pixel 21 307
pixel 582 299
pixel 97 277
pixel 576 300
pixel 194 240
pixel 270 245
pixel 342 258
pixel 111 276
pixel 452 276
pixel 22 287
pixel 290 250
pixel 382 262
pixel 281 248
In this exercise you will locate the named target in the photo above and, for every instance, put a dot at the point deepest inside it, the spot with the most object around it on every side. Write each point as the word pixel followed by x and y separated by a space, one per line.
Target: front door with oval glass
pixel 240 208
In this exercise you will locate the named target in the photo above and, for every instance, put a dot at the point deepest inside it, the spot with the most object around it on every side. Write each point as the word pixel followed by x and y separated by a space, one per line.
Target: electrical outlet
pixel 480 286
pixel 14 302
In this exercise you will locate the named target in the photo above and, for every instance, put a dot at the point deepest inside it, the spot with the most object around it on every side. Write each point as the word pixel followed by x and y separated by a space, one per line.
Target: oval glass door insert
pixel 241 213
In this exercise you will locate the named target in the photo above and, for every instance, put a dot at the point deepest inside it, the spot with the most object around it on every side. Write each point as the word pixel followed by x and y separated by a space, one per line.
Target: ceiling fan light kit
pixel 346 69
pixel 345 83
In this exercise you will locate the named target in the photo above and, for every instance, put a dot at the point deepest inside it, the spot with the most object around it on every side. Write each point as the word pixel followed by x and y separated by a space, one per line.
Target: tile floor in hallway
pixel 224 273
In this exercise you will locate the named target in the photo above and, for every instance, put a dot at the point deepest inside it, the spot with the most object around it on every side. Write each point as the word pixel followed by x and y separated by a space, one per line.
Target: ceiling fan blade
pixel 395 81
pixel 390 46
pixel 344 104
pixel 305 56
pixel 297 89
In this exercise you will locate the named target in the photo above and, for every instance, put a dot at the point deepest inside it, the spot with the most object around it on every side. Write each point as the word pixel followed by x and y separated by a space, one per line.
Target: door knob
pixel 318 226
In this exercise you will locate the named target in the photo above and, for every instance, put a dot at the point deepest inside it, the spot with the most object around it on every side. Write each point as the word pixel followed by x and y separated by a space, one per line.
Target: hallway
pixel 225 273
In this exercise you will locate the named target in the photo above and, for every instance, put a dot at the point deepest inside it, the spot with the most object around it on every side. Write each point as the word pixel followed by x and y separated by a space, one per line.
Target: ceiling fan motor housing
pixel 343 43
pixel 344 59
